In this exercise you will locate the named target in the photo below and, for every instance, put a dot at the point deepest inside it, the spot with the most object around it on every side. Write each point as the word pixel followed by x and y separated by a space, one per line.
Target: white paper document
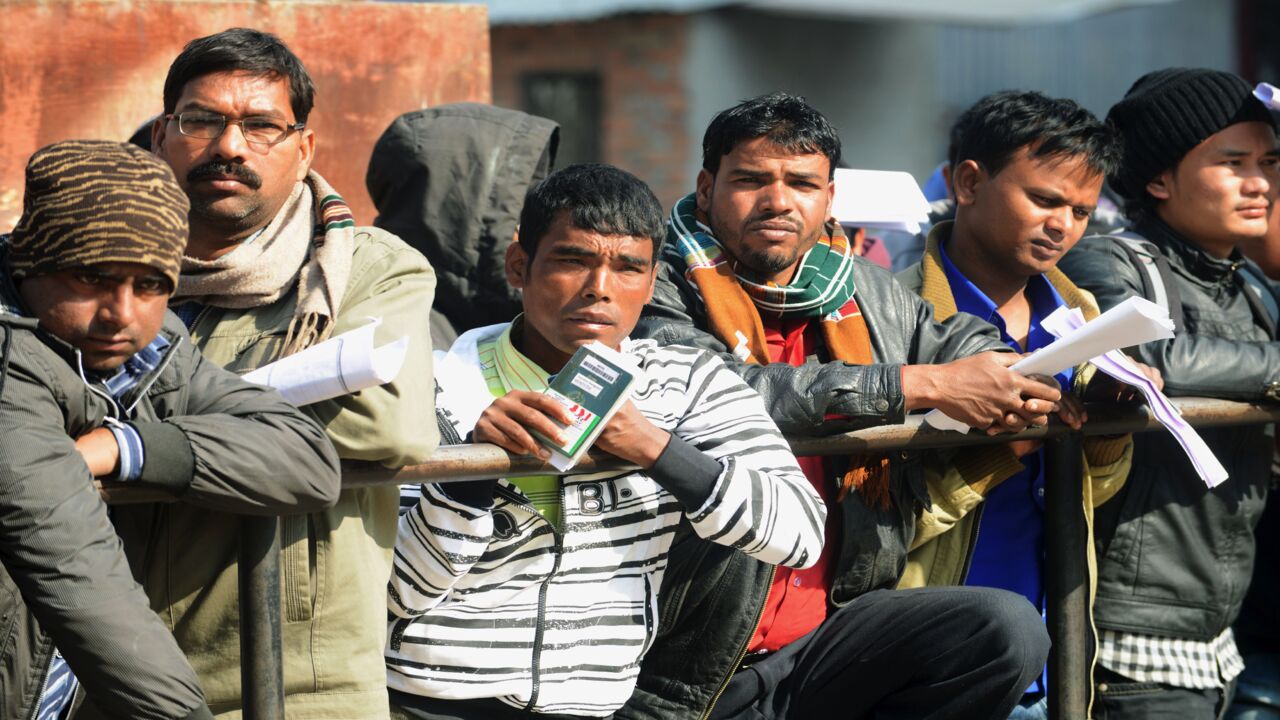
pixel 1119 366
pixel 879 199
pixel 341 365
pixel 1132 322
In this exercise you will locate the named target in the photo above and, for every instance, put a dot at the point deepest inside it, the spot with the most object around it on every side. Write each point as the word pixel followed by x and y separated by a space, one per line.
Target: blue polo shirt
pixel 1009 552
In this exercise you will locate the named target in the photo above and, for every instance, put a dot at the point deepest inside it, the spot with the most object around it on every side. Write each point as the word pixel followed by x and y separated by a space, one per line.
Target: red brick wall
pixel 640 61
pixel 96 70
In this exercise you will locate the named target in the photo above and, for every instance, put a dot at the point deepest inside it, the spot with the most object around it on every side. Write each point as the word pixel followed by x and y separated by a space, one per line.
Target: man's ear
pixel 517 263
pixel 1160 186
pixel 703 190
pixel 966 178
pixel 306 152
pixel 158 128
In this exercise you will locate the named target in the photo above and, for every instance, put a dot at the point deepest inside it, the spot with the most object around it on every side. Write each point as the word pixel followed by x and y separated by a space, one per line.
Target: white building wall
pixel 892 88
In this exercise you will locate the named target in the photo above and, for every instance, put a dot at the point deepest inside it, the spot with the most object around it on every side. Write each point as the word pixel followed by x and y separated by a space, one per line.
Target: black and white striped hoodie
pixel 494 602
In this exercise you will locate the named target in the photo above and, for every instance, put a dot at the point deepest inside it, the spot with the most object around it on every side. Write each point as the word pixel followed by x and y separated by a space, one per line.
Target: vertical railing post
pixel 261 660
pixel 1066 582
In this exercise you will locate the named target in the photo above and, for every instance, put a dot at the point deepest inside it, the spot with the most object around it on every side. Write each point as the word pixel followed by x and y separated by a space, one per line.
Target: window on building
pixel 573 101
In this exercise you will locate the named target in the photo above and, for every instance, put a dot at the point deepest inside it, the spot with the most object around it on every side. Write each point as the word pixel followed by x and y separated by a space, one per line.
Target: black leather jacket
pixel 1174 556
pixel 712 596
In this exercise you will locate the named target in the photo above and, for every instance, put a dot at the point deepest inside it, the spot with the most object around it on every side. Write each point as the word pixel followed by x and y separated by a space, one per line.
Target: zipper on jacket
pixel 518 498
pixel 973 542
pixel 542 612
pixel 44 682
pixel 141 391
pixel 773 573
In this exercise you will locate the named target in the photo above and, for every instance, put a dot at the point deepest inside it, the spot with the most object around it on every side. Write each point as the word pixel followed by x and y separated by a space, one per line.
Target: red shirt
pixel 797 601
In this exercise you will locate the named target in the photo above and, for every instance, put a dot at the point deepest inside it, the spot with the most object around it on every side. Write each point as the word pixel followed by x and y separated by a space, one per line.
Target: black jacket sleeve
pixel 59 548
pixel 250 452
pixel 823 398
pixel 1192 365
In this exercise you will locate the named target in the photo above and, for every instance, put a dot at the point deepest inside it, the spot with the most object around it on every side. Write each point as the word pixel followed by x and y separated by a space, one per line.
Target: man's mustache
pixel 755 222
pixel 218 169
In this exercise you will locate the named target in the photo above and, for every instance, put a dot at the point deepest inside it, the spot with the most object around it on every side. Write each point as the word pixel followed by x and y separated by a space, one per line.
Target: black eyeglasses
pixel 256 130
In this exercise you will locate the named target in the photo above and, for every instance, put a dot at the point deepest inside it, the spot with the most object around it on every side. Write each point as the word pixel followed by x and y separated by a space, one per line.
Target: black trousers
pixel 934 653
pixel 1119 698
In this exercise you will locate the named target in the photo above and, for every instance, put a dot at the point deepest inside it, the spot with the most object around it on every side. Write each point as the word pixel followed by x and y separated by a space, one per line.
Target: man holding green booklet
pixel 540 595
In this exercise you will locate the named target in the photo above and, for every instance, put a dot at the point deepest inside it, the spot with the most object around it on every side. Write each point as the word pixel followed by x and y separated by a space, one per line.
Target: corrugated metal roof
pixel 985 12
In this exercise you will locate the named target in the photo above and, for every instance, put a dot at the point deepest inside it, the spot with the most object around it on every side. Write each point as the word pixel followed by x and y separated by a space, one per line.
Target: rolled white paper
pixel 341 365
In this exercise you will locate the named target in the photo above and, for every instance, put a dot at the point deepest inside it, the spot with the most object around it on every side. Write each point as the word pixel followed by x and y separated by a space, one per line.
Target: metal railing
pixel 1066 537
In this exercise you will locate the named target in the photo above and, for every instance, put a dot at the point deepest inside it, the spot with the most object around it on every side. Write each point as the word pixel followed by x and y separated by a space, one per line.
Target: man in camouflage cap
pixel 97 380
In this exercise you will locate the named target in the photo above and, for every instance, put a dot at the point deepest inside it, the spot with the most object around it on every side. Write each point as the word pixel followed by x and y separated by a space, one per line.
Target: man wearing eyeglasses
pixel 276 264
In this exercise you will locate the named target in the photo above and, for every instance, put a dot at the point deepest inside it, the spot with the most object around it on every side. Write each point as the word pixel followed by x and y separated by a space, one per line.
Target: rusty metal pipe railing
pixel 1066 536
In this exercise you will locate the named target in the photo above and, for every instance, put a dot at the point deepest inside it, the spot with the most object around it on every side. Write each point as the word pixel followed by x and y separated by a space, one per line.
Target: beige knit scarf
pixel 310 242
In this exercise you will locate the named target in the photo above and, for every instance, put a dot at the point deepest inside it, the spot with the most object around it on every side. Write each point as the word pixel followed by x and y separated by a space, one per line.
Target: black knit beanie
pixel 1168 112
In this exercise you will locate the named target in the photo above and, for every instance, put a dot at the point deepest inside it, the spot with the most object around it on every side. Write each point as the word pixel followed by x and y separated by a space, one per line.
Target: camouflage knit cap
pixel 97 201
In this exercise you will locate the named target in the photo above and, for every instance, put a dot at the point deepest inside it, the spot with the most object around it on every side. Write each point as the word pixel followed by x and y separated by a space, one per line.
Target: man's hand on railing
pixel 981 392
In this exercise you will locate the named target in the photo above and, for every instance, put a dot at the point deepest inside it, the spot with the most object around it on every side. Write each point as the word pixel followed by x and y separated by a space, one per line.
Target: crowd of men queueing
pixel 721 578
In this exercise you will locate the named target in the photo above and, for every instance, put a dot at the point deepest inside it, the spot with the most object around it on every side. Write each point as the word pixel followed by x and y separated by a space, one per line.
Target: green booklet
pixel 593 385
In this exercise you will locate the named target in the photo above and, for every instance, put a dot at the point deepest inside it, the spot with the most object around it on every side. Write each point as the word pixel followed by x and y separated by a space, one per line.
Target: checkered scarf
pixel 823 288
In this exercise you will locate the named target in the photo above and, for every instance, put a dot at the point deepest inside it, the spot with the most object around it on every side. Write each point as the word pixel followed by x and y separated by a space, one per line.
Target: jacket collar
pixel 937 290
pixel 1194 260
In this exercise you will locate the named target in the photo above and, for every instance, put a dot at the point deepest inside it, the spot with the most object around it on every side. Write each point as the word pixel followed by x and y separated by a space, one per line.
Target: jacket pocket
pixel 296 564
pixel 11 607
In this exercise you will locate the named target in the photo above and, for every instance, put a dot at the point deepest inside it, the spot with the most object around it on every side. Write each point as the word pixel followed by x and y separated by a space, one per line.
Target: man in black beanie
pixel 1199 175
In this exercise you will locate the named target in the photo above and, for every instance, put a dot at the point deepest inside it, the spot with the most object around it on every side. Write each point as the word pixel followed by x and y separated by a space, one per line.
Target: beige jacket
pixel 335 563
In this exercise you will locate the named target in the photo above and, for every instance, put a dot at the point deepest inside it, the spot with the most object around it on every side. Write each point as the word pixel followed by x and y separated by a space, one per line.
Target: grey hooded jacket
pixel 450 181
pixel 65 580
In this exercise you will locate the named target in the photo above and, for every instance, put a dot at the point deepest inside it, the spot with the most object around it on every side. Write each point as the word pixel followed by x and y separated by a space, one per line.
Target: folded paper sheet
pixel 879 199
pixel 341 365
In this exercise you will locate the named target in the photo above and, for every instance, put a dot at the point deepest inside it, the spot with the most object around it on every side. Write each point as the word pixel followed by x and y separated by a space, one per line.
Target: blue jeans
pixel 1031 710
pixel 1257 689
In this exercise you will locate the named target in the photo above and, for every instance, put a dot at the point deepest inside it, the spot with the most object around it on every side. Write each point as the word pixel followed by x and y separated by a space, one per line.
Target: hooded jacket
pixel 65 579
pixel 450 181
pixel 335 561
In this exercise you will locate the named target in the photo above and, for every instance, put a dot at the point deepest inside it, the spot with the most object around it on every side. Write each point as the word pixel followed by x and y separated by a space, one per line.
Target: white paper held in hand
pixel 341 365
pixel 1132 322
pixel 879 199
pixel 1119 366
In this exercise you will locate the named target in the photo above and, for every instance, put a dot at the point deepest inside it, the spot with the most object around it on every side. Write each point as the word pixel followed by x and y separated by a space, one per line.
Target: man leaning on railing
pixel 541 594
pixel 96 379
pixel 277 264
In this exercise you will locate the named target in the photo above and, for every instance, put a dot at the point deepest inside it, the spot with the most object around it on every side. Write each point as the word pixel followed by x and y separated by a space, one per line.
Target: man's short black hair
pixel 997 126
pixel 599 198
pixel 246 50
pixel 787 120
